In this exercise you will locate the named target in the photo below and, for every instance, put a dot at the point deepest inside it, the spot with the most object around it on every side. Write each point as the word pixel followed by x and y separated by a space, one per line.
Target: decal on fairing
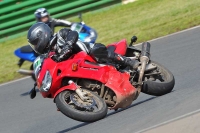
pixel 37 65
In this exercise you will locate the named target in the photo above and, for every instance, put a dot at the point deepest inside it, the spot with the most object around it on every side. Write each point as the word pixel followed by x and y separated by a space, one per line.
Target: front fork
pixel 79 91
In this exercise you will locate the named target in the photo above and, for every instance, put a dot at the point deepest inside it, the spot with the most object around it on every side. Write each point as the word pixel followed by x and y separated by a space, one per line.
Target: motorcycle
pixel 84 89
pixel 26 53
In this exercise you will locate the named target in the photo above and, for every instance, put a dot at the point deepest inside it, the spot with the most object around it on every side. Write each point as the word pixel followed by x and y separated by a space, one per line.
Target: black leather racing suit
pixel 58 22
pixel 67 44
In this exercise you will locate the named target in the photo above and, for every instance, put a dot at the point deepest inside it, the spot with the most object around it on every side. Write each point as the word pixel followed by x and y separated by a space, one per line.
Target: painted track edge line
pixel 169 121
pixel 10 82
pixel 198 26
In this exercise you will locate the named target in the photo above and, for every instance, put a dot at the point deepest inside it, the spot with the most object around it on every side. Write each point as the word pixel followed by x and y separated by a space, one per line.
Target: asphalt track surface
pixel 178 52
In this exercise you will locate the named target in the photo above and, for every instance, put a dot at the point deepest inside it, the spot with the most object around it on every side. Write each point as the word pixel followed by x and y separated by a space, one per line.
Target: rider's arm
pixel 59 22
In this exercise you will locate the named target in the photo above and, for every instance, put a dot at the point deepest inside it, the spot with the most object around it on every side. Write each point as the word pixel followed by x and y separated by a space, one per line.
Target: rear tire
pixel 156 88
pixel 66 106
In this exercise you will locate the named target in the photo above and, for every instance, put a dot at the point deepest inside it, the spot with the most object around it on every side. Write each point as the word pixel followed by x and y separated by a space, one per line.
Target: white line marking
pixel 134 45
pixel 10 82
pixel 171 34
pixel 169 121
pixel 176 33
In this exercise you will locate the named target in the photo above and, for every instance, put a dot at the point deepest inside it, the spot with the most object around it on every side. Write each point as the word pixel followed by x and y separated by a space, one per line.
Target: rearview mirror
pixel 133 40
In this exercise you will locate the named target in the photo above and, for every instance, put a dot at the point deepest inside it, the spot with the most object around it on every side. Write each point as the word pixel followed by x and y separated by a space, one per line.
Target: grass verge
pixel 147 19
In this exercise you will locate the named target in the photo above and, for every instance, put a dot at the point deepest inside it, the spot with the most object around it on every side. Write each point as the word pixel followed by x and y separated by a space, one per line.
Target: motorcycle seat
pixel 26 49
pixel 118 47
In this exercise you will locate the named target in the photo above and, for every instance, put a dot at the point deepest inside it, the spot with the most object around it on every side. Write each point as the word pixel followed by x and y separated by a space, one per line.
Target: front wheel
pixel 158 81
pixel 70 104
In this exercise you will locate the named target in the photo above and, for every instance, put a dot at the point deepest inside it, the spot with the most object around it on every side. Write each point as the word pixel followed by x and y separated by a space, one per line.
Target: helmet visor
pixel 36 44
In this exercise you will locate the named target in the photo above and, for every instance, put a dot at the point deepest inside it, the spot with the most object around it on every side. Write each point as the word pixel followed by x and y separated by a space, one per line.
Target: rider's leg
pixel 123 60
pixel 99 51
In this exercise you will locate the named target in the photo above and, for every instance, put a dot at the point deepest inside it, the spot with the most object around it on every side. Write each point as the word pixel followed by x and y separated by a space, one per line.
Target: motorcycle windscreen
pixel 82 36
pixel 76 27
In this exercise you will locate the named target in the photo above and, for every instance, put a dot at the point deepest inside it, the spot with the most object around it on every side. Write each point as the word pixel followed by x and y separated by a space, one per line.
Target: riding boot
pixel 123 60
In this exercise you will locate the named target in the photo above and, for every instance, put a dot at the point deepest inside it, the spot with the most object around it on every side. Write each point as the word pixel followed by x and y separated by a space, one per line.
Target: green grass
pixel 147 19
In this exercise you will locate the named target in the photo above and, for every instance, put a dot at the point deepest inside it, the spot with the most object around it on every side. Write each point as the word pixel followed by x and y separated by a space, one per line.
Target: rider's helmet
pixel 42 15
pixel 39 36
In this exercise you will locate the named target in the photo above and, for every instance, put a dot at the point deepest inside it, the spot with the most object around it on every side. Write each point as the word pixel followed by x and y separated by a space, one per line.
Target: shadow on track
pixel 112 113
pixel 27 93
pixel 73 128
pixel 138 103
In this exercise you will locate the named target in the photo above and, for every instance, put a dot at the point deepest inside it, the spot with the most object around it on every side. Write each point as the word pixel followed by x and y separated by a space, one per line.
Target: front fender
pixel 71 87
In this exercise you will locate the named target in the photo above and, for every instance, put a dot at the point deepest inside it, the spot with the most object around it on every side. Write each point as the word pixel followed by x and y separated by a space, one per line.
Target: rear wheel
pixel 71 105
pixel 158 81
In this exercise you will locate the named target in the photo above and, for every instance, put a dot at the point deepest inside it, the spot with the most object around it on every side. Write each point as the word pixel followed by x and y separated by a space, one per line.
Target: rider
pixel 82 28
pixel 42 15
pixel 65 43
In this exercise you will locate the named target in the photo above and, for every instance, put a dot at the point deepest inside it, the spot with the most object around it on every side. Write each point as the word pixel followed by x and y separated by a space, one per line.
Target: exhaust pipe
pixel 25 72
pixel 144 59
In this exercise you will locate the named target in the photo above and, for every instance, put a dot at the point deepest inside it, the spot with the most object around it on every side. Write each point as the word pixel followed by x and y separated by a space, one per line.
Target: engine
pixel 97 87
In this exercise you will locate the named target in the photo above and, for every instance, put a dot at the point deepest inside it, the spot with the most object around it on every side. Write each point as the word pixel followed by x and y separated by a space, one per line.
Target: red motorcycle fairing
pixel 87 68
pixel 120 47
pixel 68 87
pixel 125 92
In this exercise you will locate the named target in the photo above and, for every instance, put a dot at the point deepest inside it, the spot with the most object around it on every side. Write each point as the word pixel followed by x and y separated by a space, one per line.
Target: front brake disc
pixel 84 105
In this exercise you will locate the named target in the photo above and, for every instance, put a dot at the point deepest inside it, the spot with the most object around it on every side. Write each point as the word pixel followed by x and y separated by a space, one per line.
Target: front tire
pixel 160 84
pixel 69 103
